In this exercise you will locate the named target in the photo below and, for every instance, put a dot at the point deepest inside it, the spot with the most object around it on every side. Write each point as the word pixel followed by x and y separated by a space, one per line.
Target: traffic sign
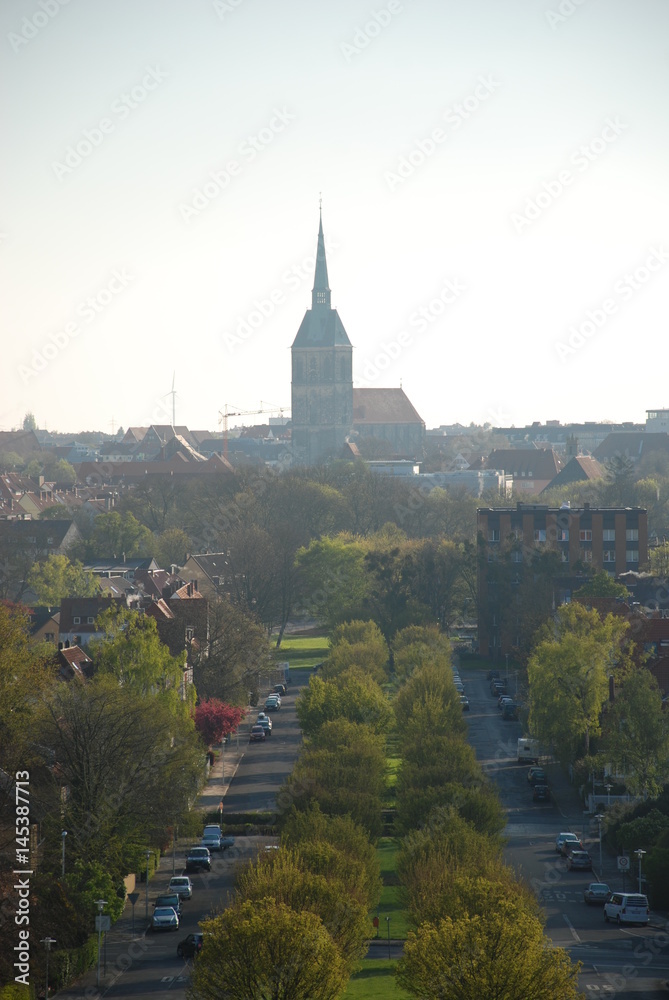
pixel 623 863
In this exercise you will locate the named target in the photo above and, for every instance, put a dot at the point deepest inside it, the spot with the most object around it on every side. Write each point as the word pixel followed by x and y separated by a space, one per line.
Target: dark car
pixel 510 711
pixel 172 899
pixel 198 859
pixel 279 689
pixel 537 776
pixel 257 734
pixel 596 892
pixel 541 793
pixel 190 946
pixel 571 845
pixel 579 861
pixel 464 702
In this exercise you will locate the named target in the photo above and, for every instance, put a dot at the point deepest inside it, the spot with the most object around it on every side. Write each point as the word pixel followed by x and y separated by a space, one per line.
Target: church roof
pixel 383 406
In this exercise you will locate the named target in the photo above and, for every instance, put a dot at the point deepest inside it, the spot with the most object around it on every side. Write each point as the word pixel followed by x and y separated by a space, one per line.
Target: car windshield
pixel 598 887
pixel 199 852
pixel 164 911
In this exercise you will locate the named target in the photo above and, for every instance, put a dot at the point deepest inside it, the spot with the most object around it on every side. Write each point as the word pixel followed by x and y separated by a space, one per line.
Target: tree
pixel 659 559
pixel 353 696
pixel 115 534
pixel 601 585
pixel 429 697
pixel 170 547
pixel 267 951
pixel 636 734
pixel 501 953
pixel 333 581
pixel 236 659
pixel 286 876
pixel 214 719
pixel 57 577
pixel 29 422
pixel 568 675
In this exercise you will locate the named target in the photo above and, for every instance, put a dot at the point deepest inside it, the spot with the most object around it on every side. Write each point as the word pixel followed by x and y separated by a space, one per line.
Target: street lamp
pixel 639 853
pixel 100 903
pixel 47 942
pixel 388 926
pixel 599 819
pixel 608 794
pixel 148 855
pixel 63 835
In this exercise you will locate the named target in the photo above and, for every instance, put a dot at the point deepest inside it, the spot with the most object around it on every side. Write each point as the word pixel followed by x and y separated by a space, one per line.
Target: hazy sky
pixel 494 184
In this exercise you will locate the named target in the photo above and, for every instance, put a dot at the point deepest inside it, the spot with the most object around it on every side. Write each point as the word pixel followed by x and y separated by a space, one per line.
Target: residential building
pixel 586 539
pixel 532 469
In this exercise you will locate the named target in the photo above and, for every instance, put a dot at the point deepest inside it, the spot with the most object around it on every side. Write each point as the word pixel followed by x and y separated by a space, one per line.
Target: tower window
pixel 320 298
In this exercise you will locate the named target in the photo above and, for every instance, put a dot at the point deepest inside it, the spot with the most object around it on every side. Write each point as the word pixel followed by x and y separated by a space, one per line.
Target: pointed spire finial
pixel 320 294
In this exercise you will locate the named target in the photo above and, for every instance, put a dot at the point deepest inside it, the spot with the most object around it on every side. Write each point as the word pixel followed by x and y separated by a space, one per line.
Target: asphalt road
pixel 625 962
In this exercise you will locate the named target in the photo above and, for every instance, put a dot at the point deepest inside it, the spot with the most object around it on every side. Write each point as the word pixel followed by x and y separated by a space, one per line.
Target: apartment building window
pixel 563 535
pixel 90 620
pixel 632 555
pixel 632 535
pixel 609 556
pixel 493 534
pixel 76 621
pixel 516 556
pixel 608 535
pixel 585 535
pixel 564 556
pixel 586 555
pixel 539 534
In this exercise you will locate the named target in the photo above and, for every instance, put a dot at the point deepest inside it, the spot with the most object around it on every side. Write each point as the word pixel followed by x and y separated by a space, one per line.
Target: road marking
pixel 571 928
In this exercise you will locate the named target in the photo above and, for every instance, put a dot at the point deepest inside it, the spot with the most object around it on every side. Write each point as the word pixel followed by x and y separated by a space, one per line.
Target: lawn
pixel 306 642
pixel 375 981
pixel 391 900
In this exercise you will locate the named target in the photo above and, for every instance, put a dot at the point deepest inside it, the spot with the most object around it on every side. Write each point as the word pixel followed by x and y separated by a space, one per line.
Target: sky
pixel 493 176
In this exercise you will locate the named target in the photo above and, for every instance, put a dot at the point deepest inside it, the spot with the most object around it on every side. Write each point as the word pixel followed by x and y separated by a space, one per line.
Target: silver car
pixel 182 885
pixel 165 918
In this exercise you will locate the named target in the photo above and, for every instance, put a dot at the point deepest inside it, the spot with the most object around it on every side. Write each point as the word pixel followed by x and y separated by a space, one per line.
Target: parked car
pixel 541 793
pixel 212 828
pixel 571 845
pixel 492 675
pixel 227 842
pixel 459 687
pixel 510 711
pixel 279 689
pixel 211 840
pixel 596 892
pixel 257 734
pixel 190 946
pixel 464 702
pixel 198 859
pixel 502 700
pixel 266 723
pixel 182 885
pixel 172 899
pixel 165 918
pixel 579 861
pixel 627 908
pixel 561 837
pixel 537 776
pixel 273 703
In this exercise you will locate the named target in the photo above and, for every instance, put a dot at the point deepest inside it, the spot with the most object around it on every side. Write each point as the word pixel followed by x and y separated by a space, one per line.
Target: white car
pixel 627 908
pixel 165 918
pixel 211 840
pixel 182 885
pixel 562 837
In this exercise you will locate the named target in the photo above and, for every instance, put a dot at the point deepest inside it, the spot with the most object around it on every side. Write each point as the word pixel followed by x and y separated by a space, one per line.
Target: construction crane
pixel 227 412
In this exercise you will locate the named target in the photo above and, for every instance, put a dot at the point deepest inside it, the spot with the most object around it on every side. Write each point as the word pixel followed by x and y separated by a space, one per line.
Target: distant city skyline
pixel 493 182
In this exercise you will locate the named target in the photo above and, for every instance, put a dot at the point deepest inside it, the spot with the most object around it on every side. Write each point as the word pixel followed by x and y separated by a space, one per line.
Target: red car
pixel 257 734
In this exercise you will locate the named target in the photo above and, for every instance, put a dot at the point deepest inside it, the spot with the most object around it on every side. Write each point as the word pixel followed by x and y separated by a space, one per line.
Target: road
pixel 625 962
pixel 144 964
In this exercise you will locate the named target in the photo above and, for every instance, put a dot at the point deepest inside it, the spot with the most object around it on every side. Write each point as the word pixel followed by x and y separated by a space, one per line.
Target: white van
pixel 627 908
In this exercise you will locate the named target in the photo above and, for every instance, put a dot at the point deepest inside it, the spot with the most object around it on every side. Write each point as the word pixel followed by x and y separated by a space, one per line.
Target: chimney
pixel 60 646
pixel 194 585
pixel 67 644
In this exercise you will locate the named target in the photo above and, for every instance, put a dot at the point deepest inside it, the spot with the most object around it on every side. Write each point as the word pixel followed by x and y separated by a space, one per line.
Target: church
pixel 327 412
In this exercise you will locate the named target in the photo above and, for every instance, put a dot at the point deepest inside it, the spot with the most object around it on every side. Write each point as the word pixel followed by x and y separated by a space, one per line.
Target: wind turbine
pixel 173 394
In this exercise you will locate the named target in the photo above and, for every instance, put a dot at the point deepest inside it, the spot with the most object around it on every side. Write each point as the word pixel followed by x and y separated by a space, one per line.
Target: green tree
pixel 267 951
pixel 237 658
pixel 428 698
pixel 29 422
pixel 117 535
pixel 171 547
pixel 636 734
pixel 353 696
pixel 57 577
pixel 659 559
pixel 499 954
pixel 568 675
pixel 286 876
pixel 334 583
pixel 601 585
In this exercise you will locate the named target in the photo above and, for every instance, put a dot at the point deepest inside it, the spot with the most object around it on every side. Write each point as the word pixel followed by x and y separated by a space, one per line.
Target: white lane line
pixel 571 928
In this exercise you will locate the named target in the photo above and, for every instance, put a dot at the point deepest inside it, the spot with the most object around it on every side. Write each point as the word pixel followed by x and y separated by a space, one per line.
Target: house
pixel 41 538
pixel 579 469
pixel 114 473
pixel 79 614
pixel 73 663
pixel 634 445
pixel 532 469
pixel 208 571
pixel 44 624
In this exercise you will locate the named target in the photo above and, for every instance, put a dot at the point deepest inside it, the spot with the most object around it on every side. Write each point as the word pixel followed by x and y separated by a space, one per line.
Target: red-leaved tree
pixel 214 719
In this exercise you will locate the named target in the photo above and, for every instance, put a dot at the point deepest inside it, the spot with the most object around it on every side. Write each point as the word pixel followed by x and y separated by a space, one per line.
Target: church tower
pixel 322 375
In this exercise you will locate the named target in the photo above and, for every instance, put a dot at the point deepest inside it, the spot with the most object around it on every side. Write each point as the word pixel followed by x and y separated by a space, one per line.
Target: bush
pixel 68 964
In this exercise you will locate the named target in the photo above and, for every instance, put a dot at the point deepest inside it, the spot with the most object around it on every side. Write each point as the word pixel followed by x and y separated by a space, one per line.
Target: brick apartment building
pixel 613 539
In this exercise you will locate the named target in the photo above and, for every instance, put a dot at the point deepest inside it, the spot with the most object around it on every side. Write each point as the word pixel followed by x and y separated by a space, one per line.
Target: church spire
pixel 320 294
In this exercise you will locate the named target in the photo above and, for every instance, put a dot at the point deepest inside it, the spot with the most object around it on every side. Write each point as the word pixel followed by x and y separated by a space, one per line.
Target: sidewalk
pixel 127 940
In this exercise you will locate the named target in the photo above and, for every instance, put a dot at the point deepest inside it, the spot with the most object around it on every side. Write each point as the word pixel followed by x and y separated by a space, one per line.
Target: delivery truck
pixel 528 750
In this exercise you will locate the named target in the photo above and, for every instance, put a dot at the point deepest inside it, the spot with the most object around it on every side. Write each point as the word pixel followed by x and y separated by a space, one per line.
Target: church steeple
pixel 320 293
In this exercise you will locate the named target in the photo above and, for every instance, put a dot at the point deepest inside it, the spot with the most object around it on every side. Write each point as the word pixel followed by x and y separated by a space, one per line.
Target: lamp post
pixel 62 867
pixel 599 819
pixel 146 908
pixel 47 942
pixel 639 853
pixel 388 927
pixel 608 794
pixel 100 903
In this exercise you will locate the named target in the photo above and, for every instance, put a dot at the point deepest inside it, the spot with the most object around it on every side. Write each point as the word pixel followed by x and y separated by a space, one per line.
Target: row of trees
pixel 580 659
